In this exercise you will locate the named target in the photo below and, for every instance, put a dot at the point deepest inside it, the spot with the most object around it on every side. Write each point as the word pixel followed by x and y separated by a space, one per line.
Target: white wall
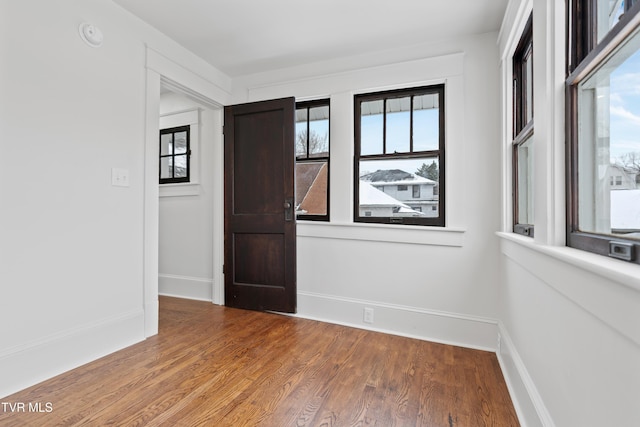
pixel 570 346
pixel 186 210
pixel 72 245
pixel 428 282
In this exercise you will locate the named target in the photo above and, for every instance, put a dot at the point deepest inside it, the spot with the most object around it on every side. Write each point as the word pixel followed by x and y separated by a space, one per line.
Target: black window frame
pixel 522 128
pixel 439 154
pixel 584 55
pixel 173 179
pixel 325 102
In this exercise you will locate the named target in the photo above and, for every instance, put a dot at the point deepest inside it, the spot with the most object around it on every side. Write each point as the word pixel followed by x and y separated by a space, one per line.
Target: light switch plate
pixel 119 177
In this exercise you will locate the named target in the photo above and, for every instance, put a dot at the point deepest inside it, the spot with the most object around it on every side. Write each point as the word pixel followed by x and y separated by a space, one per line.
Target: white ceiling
pixel 242 37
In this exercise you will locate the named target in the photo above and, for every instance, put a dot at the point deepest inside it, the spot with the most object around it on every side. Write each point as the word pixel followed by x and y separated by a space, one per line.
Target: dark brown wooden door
pixel 260 226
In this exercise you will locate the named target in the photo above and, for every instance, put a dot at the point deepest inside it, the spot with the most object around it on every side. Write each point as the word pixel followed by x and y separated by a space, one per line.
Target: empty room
pixel 442 227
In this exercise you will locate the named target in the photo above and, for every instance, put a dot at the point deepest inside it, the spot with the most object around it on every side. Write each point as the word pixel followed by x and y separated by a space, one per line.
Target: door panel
pixel 259 259
pixel 260 234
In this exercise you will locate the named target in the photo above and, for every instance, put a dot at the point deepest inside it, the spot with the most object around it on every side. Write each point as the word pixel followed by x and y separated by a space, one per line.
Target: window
pixel 523 133
pixel 603 124
pixel 174 155
pixel 312 160
pixel 399 142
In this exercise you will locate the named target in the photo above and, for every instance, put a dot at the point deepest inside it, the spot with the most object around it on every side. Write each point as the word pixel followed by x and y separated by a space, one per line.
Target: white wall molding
pixel 437 236
pixel 37 360
pixel 151 203
pixel 180 118
pixel 178 78
pixel 413 322
pixel 188 287
pixel 527 401
pixel 366 79
pixel 180 190
pixel 568 271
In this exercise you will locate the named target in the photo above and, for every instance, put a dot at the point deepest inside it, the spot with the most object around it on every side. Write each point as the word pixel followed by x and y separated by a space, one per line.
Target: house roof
pixel 314 201
pixel 371 196
pixel 394 177
pixel 306 173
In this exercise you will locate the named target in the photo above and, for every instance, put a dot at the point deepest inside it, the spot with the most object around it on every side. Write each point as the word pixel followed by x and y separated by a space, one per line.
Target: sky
pixel 624 107
pixel 425 137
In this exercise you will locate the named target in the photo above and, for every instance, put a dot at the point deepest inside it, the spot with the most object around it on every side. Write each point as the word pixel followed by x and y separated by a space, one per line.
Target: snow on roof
pixel 625 209
pixel 370 196
pixel 394 177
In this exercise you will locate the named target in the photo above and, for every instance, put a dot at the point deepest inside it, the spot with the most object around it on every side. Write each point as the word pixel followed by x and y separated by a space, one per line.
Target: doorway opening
pixel 164 75
pixel 186 209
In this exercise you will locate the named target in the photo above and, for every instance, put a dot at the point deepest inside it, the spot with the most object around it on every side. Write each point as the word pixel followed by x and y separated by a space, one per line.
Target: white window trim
pixel 192 119
pixel 509 43
pixel 549 171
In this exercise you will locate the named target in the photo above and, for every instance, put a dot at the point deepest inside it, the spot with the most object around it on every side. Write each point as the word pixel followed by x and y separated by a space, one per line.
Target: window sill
pixel 622 272
pixel 417 235
pixel 178 190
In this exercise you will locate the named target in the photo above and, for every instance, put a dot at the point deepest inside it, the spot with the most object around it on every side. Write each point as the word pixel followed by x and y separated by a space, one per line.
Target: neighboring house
pixel 624 199
pixel 417 193
pixel 374 202
pixel 621 178
pixel 311 188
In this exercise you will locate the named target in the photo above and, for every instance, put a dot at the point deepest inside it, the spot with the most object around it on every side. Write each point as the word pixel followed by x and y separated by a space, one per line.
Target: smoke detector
pixel 91 34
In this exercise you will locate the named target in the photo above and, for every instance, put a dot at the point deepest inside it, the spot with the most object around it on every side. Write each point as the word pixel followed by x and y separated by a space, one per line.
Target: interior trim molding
pixel 180 190
pixel 54 354
pixel 411 234
pixel 414 322
pixel 188 287
pixel 617 288
pixel 527 401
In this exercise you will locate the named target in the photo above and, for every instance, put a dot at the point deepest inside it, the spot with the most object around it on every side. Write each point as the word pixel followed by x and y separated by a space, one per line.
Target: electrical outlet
pixel 368 315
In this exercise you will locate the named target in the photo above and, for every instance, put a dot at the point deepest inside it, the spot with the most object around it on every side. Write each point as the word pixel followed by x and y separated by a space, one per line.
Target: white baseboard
pixel 28 364
pixel 196 288
pixel 151 317
pixel 528 403
pixel 447 328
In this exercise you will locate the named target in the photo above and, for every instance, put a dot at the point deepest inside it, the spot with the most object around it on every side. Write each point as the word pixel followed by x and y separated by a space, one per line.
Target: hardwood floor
pixel 218 366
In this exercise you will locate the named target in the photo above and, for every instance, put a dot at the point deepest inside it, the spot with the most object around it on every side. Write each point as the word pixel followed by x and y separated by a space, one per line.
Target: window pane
pixel 528 86
pixel 166 145
pixel 371 127
pixel 312 179
pixel 608 147
pixel 166 167
pixel 398 125
pixel 608 15
pixel 301 133
pixel 525 182
pixel 180 170
pixel 319 131
pixel 388 187
pixel 426 122
pixel 180 139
